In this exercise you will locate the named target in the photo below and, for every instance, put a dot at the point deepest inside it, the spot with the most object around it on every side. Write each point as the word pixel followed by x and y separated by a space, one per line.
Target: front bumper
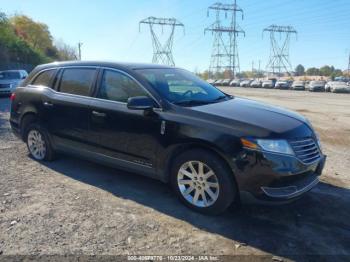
pixel 6 91
pixel 275 178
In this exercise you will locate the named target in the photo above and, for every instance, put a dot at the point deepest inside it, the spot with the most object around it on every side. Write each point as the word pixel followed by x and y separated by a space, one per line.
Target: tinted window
pixel 119 87
pixel 44 78
pixel 77 81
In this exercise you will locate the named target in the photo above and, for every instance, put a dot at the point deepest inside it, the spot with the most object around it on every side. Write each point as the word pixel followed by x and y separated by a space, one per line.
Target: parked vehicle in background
pixel 226 82
pixel 235 82
pixel 10 79
pixel 267 84
pixel 211 81
pixel 166 123
pixel 282 84
pixel 245 83
pixel 338 87
pixel 342 79
pixel 316 86
pixel 255 84
pixel 219 82
pixel 298 85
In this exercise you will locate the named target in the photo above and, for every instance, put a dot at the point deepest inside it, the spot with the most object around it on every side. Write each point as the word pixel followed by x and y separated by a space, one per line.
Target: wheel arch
pixel 181 148
pixel 26 119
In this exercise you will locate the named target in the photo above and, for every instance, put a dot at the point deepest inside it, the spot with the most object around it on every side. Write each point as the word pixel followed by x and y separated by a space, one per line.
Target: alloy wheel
pixel 198 184
pixel 36 144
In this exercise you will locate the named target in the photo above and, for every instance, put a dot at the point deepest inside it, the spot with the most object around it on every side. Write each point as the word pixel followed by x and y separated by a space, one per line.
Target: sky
pixel 109 29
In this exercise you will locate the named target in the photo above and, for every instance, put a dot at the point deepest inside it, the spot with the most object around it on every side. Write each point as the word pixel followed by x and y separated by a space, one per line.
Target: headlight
pixel 270 145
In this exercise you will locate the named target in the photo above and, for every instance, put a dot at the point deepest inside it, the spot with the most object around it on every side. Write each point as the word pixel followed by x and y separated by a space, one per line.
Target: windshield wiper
pixel 218 99
pixel 189 102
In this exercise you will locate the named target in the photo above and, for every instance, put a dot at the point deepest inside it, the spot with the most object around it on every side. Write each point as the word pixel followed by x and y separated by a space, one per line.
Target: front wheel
pixel 202 182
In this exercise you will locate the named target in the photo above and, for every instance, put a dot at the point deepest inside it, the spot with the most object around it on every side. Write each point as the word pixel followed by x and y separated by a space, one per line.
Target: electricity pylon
pixel 279 60
pixel 162 52
pixel 224 55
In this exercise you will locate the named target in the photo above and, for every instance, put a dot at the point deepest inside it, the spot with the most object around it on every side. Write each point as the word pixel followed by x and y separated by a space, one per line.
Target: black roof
pixel 105 64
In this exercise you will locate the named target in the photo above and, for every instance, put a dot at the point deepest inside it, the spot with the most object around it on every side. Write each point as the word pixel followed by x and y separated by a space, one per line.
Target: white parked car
pixel 235 82
pixel 282 84
pixel 298 85
pixel 255 83
pixel 10 79
pixel 268 84
pixel 337 87
pixel 245 83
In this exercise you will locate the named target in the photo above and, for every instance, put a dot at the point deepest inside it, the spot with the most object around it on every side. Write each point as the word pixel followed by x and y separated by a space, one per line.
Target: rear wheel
pixel 38 143
pixel 202 182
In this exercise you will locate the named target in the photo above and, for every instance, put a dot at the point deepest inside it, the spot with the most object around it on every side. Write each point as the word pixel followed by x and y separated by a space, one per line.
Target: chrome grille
pixel 306 150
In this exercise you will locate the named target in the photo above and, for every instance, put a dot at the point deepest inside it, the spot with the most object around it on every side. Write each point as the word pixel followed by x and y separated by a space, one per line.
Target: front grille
pixel 4 85
pixel 306 150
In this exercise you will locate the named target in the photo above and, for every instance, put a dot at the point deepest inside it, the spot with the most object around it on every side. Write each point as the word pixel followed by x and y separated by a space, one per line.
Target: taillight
pixel 13 96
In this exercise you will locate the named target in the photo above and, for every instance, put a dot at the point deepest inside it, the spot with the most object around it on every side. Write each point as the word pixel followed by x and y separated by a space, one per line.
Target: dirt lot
pixel 71 206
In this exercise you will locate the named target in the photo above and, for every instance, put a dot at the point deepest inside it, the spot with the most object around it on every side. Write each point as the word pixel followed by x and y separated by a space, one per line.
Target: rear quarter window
pixel 77 81
pixel 44 78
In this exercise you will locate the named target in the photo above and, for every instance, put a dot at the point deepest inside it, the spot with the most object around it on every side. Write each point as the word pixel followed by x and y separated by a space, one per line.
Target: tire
pixel 37 136
pixel 221 184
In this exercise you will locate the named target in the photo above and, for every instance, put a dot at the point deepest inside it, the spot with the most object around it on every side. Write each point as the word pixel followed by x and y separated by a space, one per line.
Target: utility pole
pixel 162 53
pixel 349 66
pixel 224 55
pixel 259 72
pixel 253 69
pixel 79 49
pixel 279 60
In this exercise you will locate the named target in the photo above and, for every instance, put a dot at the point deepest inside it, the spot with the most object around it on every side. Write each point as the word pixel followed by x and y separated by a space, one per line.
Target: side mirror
pixel 140 103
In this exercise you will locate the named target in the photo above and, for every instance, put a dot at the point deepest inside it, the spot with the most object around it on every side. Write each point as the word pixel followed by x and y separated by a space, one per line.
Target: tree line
pixel 328 71
pixel 24 41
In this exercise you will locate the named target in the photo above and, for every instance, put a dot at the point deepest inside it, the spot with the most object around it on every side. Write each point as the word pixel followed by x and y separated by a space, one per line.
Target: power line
pixel 279 51
pixel 162 52
pixel 225 56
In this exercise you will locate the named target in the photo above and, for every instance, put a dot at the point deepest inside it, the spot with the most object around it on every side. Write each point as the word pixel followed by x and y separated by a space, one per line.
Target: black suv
pixel 167 124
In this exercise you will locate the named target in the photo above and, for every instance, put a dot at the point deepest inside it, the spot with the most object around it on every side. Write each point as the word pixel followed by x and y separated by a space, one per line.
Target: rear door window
pixel 77 81
pixel 44 78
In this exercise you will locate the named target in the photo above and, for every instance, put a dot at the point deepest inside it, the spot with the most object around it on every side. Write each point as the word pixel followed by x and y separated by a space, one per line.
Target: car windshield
pixel 9 75
pixel 317 83
pixel 339 83
pixel 298 83
pixel 181 87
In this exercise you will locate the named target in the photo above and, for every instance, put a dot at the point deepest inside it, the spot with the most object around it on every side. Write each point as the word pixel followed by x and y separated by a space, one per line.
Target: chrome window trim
pixel 91 97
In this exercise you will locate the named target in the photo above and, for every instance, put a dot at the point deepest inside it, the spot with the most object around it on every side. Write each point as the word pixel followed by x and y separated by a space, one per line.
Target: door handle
pixel 48 104
pixel 99 114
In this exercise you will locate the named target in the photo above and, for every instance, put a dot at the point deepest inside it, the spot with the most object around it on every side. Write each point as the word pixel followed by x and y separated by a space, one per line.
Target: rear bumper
pixel 15 129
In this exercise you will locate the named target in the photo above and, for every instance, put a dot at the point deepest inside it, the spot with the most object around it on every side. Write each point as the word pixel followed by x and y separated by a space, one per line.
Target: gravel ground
pixel 72 206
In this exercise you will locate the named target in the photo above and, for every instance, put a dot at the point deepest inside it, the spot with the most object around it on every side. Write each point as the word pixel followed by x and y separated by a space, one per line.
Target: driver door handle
pixel 48 104
pixel 98 114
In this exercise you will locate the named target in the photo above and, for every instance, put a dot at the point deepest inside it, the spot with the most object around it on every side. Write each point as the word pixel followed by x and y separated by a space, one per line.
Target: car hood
pixel 258 115
pixel 9 81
